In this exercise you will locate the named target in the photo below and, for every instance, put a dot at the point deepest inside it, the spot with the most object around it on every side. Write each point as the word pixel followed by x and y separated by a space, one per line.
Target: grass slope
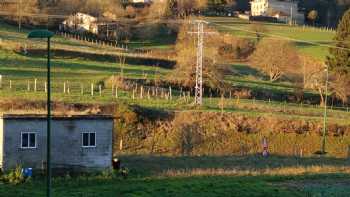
pixel 87 63
pixel 307 34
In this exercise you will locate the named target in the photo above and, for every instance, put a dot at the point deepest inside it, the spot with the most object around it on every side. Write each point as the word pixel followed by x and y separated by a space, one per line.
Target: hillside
pixel 79 65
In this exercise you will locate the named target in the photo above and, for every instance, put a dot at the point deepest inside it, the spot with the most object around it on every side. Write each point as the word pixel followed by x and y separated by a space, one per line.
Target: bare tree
pixel 314 76
pixel 158 9
pixel 184 8
pixel 275 58
pixel 340 86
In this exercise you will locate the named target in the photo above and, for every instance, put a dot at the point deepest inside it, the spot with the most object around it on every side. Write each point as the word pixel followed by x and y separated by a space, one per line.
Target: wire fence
pixel 97 90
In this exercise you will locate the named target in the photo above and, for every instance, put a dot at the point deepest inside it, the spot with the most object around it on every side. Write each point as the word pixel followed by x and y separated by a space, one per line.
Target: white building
pixel 282 10
pixel 80 22
pixel 139 1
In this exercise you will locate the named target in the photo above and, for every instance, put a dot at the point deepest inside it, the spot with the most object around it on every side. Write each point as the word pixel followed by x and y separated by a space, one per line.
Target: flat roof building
pixel 82 142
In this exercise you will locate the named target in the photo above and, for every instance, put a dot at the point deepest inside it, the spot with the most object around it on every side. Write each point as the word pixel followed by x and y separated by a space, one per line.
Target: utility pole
pixel 107 31
pixel 199 68
pixel 323 143
pixel 291 15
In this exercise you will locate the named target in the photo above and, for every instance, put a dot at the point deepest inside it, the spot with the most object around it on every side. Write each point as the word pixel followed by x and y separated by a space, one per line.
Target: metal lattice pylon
pixel 198 97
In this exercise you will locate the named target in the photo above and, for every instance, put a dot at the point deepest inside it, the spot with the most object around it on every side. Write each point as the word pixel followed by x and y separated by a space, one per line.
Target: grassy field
pixel 150 175
pixel 203 176
pixel 239 27
pixel 75 66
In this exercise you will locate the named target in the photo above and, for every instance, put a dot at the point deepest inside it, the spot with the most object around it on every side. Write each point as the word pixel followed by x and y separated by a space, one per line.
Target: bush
pixel 15 176
pixel 236 48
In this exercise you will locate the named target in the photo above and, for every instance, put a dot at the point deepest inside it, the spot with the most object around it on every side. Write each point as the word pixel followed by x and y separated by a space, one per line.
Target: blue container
pixel 27 172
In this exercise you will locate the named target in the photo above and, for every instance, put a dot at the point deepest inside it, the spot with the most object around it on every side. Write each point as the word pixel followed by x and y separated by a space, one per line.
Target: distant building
pixel 140 1
pixel 283 11
pixel 77 142
pixel 80 22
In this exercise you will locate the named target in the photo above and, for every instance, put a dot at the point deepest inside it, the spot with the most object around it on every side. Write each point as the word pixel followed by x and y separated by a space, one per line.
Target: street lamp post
pixel 323 143
pixel 47 34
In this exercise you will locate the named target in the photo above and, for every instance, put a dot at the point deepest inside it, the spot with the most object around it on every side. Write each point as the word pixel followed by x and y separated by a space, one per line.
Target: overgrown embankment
pixel 211 133
pixel 141 130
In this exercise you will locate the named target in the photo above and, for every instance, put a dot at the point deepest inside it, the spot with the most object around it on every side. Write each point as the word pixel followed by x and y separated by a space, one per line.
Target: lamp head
pixel 40 34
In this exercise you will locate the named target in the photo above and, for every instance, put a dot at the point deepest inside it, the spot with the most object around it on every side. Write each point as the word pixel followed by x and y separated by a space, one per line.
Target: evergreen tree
pixel 339 59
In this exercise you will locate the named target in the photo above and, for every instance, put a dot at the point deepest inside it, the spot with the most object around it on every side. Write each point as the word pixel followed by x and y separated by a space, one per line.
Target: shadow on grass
pixel 145 184
pixel 64 54
pixel 254 164
pixel 30 67
pixel 244 70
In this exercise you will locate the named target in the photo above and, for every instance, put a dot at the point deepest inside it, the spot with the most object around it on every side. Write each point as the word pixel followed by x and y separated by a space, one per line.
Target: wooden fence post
pixel 64 87
pixel 68 89
pixel 28 86
pixel 10 84
pixel 92 89
pixel 0 81
pixel 100 89
pixel 45 86
pixel 81 89
pixel 116 92
pixel 113 89
pixel 170 93
pixel 148 94
pixel 141 92
pixel 35 84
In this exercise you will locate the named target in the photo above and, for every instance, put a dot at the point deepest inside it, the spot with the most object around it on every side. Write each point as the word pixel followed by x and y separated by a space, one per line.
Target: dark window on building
pixel 28 140
pixel 89 139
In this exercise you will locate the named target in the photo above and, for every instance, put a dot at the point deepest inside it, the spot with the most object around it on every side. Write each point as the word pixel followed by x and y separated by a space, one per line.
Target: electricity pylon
pixel 199 67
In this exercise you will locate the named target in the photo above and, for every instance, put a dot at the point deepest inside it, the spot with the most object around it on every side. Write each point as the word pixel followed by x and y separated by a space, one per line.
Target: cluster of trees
pixel 278 58
pixel 324 12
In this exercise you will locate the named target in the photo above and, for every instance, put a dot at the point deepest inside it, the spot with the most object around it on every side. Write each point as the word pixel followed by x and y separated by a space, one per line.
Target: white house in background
pixel 282 10
pixel 140 1
pixel 80 22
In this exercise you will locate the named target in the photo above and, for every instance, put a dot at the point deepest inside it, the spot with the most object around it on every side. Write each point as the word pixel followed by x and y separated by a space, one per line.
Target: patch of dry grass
pixel 281 171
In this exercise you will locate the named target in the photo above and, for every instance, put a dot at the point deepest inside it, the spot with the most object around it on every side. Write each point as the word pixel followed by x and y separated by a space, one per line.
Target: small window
pixel 89 139
pixel 28 140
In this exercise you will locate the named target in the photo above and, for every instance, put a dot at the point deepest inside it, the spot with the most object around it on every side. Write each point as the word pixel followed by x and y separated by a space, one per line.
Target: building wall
pixel 266 7
pixel 1 141
pixel 258 7
pixel 283 6
pixel 66 143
